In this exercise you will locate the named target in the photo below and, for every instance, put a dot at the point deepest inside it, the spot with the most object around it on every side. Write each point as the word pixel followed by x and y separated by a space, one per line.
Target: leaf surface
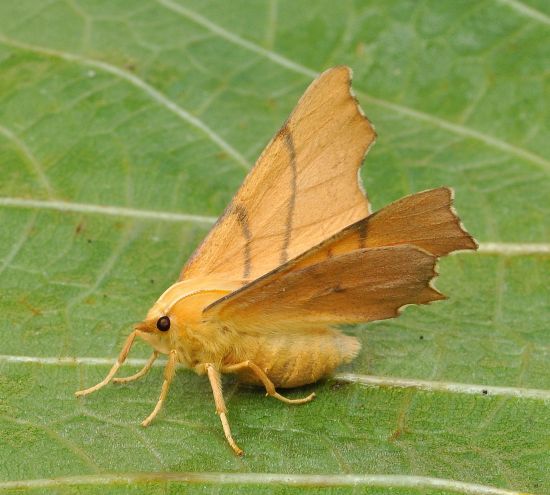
pixel 125 129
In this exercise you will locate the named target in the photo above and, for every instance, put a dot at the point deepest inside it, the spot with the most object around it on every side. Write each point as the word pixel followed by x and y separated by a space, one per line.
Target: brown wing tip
pixel 346 74
pixel 464 240
pixel 429 294
pixel 360 110
pixel 338 70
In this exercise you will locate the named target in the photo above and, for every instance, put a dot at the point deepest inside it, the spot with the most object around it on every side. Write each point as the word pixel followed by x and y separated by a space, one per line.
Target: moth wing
pixel 303 188
pixel 359 286
pixel 426 219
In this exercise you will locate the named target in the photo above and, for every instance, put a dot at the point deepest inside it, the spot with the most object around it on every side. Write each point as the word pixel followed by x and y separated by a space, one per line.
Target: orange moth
pixel 296 252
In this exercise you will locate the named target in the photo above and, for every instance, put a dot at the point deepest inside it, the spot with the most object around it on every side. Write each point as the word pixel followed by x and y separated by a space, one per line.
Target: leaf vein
pixel 368 380
pixel 401 109
pixel 488 247
pixel 29 156
pixel 312 480
pixel 139 83
pixel 527 11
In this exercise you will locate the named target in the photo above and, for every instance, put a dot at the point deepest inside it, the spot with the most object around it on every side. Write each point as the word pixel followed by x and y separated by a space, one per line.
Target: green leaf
pixel 125 128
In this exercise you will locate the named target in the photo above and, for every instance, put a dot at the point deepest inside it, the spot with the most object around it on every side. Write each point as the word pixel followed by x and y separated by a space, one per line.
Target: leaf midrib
pixel 307 480
pixel 361 379
pixel 486 247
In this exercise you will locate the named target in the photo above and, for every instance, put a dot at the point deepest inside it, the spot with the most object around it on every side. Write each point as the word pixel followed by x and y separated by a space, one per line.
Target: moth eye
pixel 163 323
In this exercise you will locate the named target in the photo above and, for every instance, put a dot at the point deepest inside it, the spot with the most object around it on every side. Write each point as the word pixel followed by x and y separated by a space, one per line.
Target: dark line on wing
pixel 242 217
pixel 282 269
pixel 362 234
pixel 289 142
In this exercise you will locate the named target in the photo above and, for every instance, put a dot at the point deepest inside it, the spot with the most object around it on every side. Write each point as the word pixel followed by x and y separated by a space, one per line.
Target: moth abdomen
pixel 301 357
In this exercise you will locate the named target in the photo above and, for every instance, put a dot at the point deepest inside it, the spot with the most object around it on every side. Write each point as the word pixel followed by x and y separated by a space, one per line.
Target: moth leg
pixel 216 384
pixel 268 384
pixel 143 371
pixel 169 372
pixel 120 360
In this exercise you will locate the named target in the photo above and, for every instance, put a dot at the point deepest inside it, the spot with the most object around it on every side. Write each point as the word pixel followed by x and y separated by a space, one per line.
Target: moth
pixel 296 252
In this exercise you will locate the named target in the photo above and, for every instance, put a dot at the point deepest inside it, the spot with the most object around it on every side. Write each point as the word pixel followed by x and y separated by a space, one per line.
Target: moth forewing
pixel 296 252
pixel 286 203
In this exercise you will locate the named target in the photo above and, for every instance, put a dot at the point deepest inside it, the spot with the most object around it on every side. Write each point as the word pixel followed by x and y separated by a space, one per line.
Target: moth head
pixel 176 311
pixel 158 330
pixel 155 325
